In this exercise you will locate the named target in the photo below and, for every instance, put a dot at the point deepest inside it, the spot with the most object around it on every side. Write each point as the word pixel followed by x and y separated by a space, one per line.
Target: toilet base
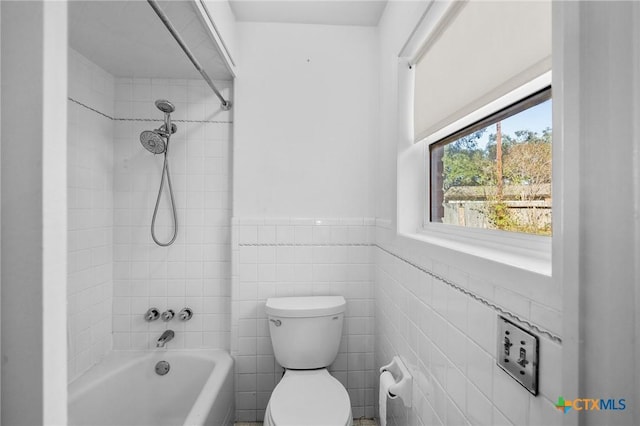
pixel 309 398
pixel 268 421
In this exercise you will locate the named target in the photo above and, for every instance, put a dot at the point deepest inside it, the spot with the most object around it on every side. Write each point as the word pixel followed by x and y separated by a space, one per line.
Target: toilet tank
pixel 305 331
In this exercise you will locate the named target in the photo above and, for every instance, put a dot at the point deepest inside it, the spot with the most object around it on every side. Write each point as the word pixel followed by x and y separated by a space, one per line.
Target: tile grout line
pixel 144 119
pixel 476 297
pixel 90 109
pixel 451 284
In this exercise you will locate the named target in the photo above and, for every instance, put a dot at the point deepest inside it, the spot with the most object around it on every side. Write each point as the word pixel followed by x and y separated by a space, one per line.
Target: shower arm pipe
pixel 226 104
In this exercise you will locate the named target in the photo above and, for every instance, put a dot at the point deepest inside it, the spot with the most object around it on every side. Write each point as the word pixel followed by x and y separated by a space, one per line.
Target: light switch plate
pixel 518 354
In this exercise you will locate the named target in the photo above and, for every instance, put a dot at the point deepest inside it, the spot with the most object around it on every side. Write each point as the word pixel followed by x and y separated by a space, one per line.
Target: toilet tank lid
pixel 301 307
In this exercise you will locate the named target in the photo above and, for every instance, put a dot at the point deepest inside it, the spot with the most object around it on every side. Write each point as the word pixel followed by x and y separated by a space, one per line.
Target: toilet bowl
pixel 305 334
pixel 310 398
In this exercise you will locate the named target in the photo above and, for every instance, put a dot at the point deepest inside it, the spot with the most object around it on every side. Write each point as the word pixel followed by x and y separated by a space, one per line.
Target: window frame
pixel 500 245
pixel 501 115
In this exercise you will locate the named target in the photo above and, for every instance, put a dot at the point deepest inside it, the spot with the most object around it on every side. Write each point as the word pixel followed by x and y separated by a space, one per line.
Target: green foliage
pixel 466 143
pixel 526 162
pixel 465 169
pixel 464 163
pixel 500 216
pixel 526 159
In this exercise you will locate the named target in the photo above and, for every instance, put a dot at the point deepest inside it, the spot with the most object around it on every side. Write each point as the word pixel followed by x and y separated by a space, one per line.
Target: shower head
pixel 153 142
pixel 165 106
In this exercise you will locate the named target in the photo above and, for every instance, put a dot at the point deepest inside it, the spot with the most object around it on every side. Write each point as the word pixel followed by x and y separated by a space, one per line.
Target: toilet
pixel 305 334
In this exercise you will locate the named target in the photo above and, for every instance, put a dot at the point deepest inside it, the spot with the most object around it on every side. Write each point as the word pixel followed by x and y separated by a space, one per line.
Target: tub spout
pixel 166 336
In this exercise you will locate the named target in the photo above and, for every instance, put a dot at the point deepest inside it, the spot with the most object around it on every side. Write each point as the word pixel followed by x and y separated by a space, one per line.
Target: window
pixel 472 65
pixel 482 105
pixel 496 172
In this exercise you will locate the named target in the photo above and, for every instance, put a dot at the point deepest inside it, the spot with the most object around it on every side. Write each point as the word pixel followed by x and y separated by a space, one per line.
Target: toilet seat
pixel 309 398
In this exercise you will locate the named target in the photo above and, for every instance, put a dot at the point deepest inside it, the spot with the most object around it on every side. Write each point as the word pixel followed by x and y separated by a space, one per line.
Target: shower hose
pixel 165 172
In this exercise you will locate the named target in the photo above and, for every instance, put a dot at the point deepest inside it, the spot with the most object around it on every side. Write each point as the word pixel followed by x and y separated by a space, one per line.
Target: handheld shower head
pixel 165 106
pixel 153 142
pixel 157 142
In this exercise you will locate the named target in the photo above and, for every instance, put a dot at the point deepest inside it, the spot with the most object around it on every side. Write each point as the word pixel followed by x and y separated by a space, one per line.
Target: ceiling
pixel 127 39
pixel 328 12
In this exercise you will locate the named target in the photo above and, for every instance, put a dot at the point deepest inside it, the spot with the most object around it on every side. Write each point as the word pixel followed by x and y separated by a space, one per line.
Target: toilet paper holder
pixel 404 381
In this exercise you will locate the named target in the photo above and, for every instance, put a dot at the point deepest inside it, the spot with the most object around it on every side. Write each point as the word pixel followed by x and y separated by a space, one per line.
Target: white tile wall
pixel 301 257
pixel 448 341
pixel 115 271
pixel 195 271
pixel 90 214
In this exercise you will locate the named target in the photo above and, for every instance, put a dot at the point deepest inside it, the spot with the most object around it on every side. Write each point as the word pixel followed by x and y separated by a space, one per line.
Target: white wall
pixel 395 27
pixel 305 110
pixel 600 248
pixel 445 335
pixel 591 300
pixel 195 271
pixel 301 257
pixel 34 67
pixel 0 211
pixel 90 213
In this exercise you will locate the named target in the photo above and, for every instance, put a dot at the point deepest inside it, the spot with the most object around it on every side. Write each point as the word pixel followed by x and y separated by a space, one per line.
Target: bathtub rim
pixel 211 390
pixel 118 360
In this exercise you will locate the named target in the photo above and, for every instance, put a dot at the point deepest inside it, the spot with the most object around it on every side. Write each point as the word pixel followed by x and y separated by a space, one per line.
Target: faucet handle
pixel 185 314
pixel 168 315
pixel 152 314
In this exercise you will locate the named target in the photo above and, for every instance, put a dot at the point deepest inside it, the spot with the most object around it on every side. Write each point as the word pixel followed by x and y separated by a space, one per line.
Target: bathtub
pixel 124 389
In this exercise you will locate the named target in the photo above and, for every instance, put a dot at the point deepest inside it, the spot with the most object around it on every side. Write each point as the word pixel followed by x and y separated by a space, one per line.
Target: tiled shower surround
pixel 195 271
pixel 90 214
pixel 116 272
pixel 301 257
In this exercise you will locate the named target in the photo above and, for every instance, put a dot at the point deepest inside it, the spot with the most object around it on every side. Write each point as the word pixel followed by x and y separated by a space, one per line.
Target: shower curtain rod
pixel 226 105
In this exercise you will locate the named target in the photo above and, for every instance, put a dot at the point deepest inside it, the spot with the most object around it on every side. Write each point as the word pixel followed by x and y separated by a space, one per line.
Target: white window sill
pixel 528 252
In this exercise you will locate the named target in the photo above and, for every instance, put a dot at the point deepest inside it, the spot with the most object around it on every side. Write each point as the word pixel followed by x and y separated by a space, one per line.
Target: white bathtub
pixel 124 389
